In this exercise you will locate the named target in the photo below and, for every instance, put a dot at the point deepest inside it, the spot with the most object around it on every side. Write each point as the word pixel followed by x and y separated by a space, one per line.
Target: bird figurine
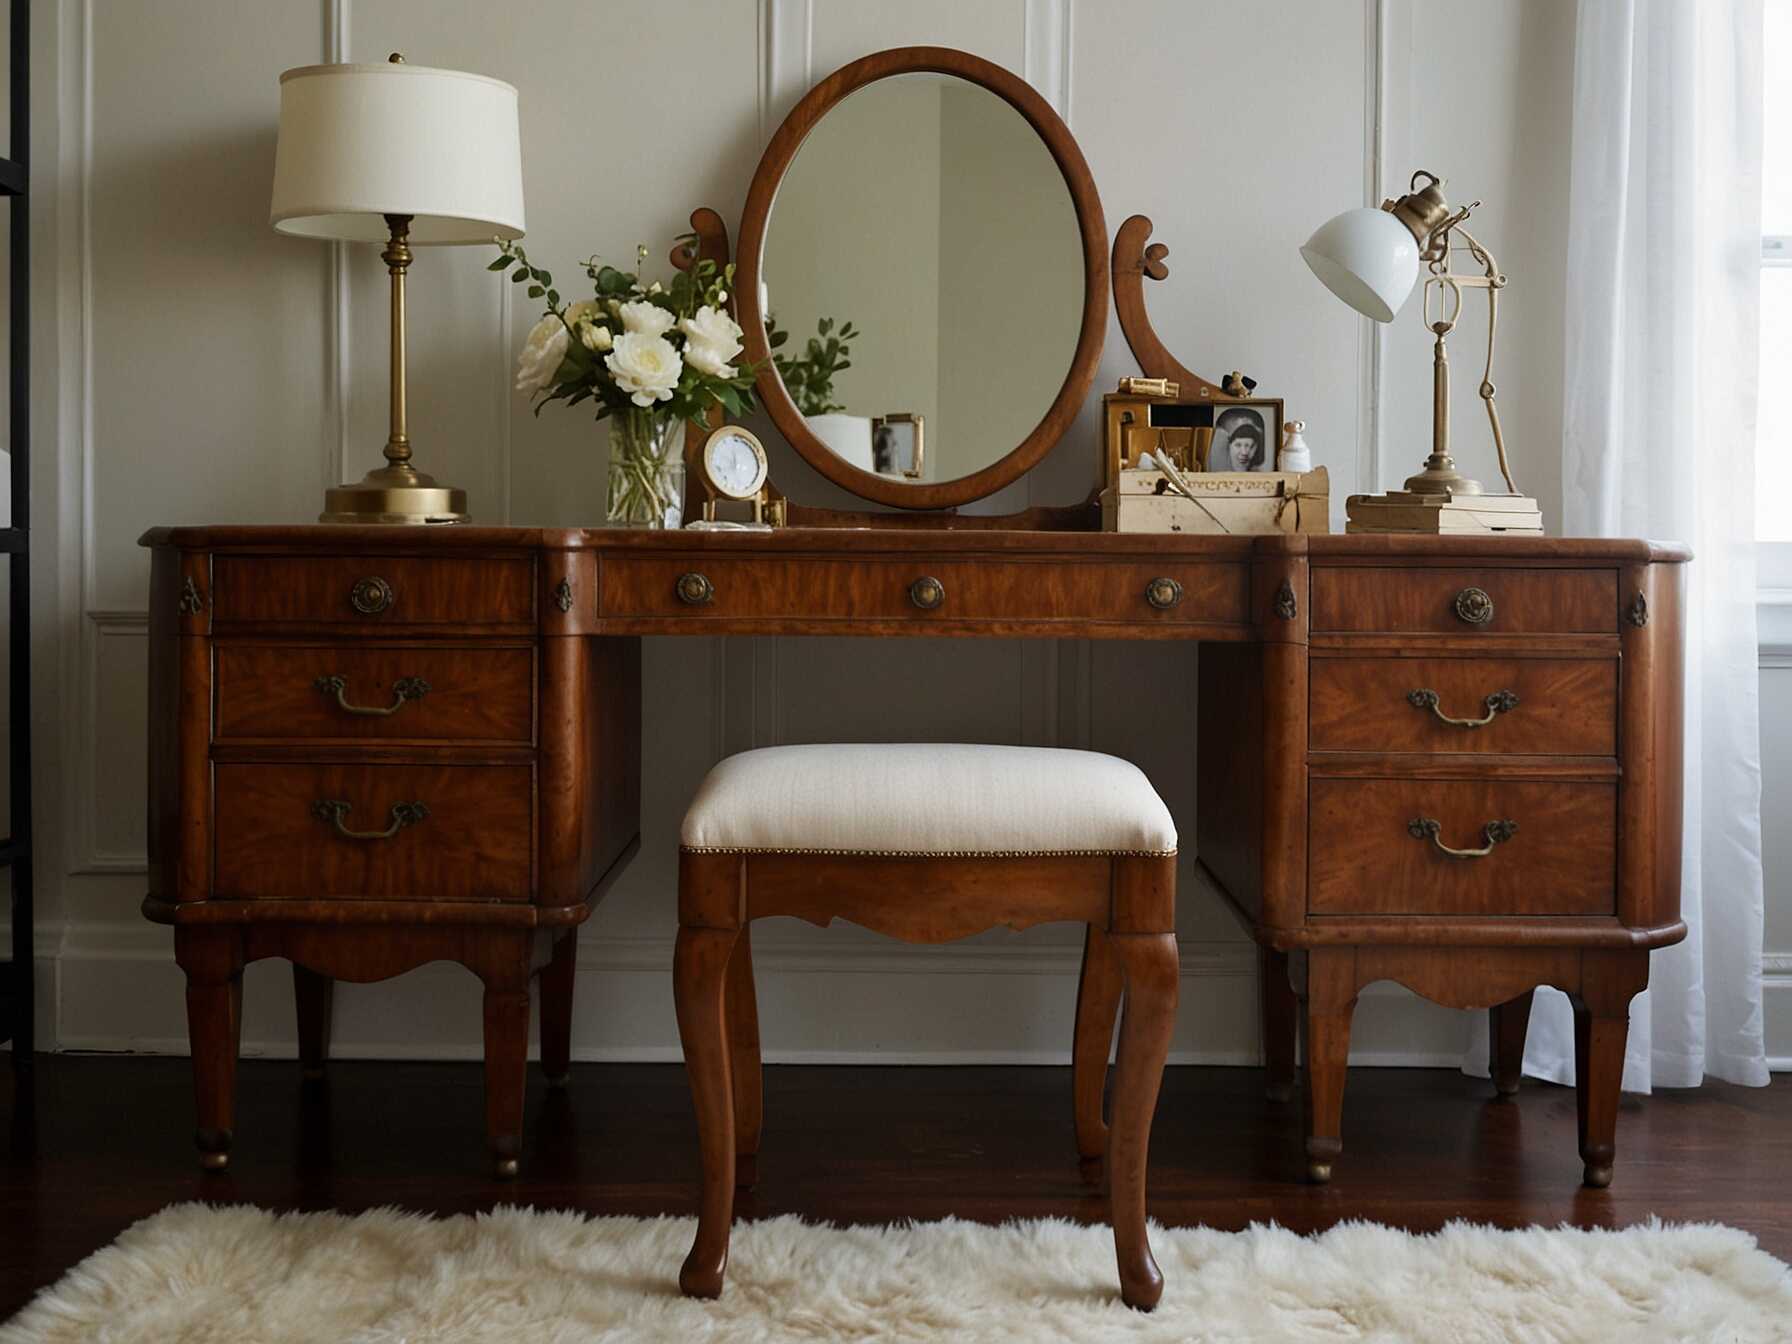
pixel 1236 384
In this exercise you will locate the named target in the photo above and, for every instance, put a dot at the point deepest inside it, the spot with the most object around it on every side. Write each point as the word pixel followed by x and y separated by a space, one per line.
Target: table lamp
pixel 1370 258
pixel 406 156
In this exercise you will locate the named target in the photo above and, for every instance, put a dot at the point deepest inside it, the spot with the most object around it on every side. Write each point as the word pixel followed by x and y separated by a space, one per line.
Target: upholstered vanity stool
pixel 927 844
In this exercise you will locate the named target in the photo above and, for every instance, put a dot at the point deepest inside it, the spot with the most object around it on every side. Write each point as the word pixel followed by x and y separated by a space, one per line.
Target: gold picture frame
pixel 908 437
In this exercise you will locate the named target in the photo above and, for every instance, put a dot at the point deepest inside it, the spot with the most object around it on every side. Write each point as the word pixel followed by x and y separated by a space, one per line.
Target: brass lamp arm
pixel 1493 280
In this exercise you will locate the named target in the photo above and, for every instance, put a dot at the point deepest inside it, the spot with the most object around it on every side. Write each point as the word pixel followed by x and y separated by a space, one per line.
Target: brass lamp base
pixel 394 494
pixel 1440 477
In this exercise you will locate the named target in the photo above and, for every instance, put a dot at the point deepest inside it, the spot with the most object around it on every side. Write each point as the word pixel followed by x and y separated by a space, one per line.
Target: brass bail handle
pixel 333 810
pixel 1430 828
pixel 1500 702
pixel 405 689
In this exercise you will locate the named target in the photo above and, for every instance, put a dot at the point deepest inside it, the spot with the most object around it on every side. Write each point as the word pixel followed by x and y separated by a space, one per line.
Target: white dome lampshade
pixel 1368 258
pixel 358 142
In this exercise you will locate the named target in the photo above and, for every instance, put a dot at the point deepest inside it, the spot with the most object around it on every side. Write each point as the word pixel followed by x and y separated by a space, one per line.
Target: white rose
pixel 646 367
pixel 712 342
pixel 594 337
pixel 542 353
pixel 644 318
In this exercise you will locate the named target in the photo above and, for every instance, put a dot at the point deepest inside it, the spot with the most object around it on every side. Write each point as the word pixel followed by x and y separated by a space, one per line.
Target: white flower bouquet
pixel 649 357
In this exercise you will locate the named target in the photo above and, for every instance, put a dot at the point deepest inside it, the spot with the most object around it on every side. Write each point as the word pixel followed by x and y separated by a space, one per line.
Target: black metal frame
pixel 17 980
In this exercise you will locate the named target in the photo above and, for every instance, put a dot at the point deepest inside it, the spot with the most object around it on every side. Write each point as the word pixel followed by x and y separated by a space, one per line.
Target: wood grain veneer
pixel 476 693
pixel 1422 601
pixel 1566 707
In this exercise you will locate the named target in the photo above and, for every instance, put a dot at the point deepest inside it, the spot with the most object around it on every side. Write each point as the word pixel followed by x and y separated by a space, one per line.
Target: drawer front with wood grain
pixel 373 591
pixel 921 590
pixel 1522 847
pixel 374 832
pixel 424 693
pixel 1496 601
pixel 1506 706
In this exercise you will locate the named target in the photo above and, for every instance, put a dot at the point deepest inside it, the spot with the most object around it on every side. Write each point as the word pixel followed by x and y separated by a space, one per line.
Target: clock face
pixel 735 463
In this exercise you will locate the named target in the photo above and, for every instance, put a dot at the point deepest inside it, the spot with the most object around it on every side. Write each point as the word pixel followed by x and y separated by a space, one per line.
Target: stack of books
pixel 1402 511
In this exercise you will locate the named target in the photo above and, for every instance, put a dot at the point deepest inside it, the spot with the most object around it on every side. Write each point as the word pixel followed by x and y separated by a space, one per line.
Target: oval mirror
pixel 923 278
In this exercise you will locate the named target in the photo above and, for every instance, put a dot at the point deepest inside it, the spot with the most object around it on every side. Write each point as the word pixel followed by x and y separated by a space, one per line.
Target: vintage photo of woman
pixel 1241 441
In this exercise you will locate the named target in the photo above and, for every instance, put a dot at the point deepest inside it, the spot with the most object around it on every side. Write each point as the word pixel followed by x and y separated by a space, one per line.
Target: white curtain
pixel 1663 298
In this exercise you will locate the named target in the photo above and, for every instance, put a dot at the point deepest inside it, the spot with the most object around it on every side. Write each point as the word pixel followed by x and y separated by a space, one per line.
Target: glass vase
pixel 646 469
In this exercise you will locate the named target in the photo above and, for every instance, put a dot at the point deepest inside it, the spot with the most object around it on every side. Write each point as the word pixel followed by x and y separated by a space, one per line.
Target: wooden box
pixel 1223 502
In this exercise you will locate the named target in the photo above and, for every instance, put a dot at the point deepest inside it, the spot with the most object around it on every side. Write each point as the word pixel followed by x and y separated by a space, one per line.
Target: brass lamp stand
pixel 396 492
pixel 1432 224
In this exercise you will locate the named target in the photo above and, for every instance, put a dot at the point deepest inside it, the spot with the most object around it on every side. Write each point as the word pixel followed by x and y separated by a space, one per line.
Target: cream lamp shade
pixel 1368 258
pixel 360 142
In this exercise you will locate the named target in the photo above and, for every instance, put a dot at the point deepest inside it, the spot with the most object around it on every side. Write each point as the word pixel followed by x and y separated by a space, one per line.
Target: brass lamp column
pixel 346 168
pixel 396 492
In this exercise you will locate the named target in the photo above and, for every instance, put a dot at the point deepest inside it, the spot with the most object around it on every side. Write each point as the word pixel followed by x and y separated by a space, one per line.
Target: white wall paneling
pixel 197 367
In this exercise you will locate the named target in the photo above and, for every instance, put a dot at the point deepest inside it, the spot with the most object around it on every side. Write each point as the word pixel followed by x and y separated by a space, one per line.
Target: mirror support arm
pixel 1133 263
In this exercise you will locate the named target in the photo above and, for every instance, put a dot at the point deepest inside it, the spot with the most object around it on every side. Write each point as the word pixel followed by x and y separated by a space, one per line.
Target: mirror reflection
pixel 922 274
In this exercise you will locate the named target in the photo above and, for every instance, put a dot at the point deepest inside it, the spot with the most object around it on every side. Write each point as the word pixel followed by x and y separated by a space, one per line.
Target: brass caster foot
pixel 1597 1178
pixel 504 1168
pixel 214 1161
pixel 1320 1173
pixel 746 1171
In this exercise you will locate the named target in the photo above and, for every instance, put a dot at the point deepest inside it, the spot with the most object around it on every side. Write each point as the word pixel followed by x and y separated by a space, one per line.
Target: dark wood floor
pixel 99 1142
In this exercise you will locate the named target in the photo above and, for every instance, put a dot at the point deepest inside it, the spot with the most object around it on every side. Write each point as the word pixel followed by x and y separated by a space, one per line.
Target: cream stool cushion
pixel 925 799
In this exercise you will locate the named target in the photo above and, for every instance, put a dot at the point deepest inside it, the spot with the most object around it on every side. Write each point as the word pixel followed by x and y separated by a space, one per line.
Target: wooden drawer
pixel 373 590
pixel 879 589
pixel 1398 600
pixel 474 842
pixel 1364 860
pixel 396 693
pixel 1553 706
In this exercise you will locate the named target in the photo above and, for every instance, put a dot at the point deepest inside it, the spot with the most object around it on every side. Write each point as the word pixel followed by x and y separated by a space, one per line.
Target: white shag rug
pixel 194 1274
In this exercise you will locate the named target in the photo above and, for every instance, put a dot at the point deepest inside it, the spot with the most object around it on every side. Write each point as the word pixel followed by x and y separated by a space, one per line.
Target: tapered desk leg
pixel 312 994
pixel 1329 1002
pixel 556 1009
pixel 1507 1024
pixel 213 961
pixel 1609 980
pixel 1097 1002
pixel 506 1061
pixel 699 987
pixel 1281 1023
pixel 745 1074
pixel 1148 963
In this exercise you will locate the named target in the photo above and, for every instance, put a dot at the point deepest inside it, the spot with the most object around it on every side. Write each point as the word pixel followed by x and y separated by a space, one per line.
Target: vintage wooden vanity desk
pixel 1449 762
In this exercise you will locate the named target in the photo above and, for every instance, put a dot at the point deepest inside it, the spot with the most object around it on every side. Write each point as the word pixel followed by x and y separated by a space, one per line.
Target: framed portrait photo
pixel 1246 436
pixel 898 445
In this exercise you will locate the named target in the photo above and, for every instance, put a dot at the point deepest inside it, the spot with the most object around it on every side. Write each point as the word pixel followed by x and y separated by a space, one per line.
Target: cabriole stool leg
pixel 1149 966
pixel 699 987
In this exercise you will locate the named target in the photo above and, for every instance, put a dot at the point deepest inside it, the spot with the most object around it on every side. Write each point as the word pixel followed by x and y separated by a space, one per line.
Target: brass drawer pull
pixel 333 810
pixel 1474 606
pixel 1163 593
pixel 405 688
pixel 371 596
pixel 927 592
pixel 1494 833
pixel 695 590
pixel 1500 702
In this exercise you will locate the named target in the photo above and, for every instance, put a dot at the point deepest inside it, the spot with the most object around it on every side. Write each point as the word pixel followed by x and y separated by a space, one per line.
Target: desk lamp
pixel 407 156
pixel 1370 258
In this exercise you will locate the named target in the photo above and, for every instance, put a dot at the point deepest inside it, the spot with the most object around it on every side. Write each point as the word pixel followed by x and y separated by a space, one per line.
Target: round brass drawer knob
pixel 1474 606
pixel 695 590
pixel 927 593
pixel 371 596
pixel 1163 593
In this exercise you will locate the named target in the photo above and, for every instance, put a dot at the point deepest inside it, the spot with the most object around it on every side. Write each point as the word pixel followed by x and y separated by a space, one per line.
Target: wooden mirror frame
pixel 776 161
